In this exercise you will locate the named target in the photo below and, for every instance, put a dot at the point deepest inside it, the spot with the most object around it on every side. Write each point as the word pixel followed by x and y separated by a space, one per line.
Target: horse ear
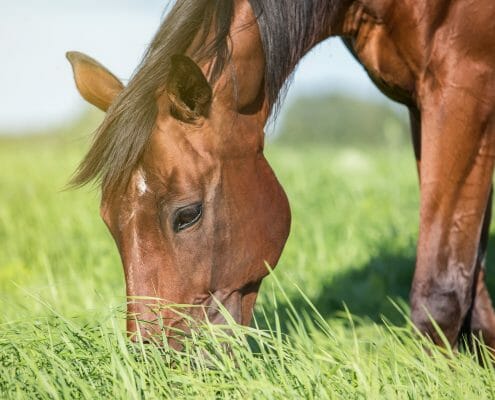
pixel 95 83
pixel 188 89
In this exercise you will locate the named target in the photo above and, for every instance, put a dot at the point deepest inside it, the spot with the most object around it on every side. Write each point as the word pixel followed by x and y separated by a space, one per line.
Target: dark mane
pixel 287 27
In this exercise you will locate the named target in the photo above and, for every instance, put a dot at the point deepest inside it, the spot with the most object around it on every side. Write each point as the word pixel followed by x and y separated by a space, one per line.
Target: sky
pixel 36 85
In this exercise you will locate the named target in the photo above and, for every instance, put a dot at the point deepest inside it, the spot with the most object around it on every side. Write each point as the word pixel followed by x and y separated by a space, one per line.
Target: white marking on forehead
pixel 141 182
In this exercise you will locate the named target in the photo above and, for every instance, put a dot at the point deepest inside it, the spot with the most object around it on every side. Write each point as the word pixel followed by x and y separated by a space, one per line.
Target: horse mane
pixel 287 28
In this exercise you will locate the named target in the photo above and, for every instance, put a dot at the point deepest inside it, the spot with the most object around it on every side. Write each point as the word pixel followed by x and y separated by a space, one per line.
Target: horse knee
pixel 442 308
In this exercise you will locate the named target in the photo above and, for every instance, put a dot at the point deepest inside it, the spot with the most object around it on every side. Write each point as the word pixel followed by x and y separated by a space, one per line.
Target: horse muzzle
pixel 151 320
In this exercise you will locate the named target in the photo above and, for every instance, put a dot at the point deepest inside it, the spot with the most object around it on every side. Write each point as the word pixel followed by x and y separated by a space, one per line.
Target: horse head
pixel 201 211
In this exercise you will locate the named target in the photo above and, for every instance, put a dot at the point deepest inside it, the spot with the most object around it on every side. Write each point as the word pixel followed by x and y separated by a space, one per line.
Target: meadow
pixel 331 321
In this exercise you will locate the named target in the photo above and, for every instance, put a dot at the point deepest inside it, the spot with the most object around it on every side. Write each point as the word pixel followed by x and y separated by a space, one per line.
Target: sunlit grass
pixel 353 239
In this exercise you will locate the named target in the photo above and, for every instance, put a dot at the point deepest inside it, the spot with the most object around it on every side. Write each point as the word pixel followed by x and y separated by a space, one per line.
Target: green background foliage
pixel 342 120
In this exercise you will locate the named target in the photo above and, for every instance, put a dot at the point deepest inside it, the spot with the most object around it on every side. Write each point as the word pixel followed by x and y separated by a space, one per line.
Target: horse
pixel 193 205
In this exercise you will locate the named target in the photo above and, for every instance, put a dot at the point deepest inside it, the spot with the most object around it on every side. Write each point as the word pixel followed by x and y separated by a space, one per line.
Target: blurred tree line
pixel 338 119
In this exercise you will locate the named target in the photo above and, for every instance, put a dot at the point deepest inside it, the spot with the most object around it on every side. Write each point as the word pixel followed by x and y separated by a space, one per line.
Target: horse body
pixel 433 58
pixel 200 163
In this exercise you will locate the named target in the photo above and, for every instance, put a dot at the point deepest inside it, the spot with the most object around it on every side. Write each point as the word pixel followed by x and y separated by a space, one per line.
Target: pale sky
pixel 36 86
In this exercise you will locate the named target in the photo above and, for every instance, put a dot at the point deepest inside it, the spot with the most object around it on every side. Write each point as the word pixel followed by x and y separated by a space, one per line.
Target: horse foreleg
pixel 481 321
pixel 457 158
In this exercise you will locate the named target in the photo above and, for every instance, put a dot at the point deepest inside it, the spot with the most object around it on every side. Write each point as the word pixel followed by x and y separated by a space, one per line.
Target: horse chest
pixel 389 73
pixel 385 65
pixel 386 52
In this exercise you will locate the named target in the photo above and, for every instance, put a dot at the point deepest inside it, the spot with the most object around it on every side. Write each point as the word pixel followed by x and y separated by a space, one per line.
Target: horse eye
pixel 187 216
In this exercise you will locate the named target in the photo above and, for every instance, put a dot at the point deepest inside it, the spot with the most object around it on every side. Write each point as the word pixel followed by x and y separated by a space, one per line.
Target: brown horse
pixel 191 201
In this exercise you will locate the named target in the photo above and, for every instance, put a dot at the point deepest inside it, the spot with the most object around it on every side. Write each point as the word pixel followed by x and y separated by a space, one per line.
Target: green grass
pixel 352 241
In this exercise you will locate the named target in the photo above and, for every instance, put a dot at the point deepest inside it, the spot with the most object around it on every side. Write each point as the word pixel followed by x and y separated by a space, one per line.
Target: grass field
pixel 352 242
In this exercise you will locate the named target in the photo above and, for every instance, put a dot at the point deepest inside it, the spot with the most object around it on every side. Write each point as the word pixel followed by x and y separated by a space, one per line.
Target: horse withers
pixel 189 198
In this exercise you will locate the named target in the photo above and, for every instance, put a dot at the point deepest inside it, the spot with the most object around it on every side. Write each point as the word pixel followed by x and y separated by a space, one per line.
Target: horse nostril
pixel 140 339
pixel 201 300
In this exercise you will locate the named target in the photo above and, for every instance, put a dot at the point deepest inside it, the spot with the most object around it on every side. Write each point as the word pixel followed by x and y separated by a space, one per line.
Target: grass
pixel 352 242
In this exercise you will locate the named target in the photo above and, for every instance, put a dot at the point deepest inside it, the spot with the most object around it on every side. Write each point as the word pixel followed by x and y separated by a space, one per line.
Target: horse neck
pixel 242 79
pixel 266 47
